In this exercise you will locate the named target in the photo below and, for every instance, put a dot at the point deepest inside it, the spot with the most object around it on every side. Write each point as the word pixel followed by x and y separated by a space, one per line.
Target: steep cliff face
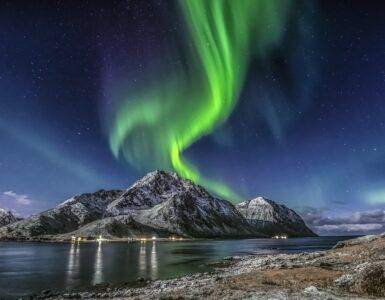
pixel 271 218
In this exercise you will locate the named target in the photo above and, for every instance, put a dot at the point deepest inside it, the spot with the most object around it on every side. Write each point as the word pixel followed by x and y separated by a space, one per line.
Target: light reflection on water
pixel 62 266
pixel 142 259
pixel 98 269
pixel 154 261
pixel 73 263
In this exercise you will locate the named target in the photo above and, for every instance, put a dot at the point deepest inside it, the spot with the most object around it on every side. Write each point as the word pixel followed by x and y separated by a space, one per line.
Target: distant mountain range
pixel 160 204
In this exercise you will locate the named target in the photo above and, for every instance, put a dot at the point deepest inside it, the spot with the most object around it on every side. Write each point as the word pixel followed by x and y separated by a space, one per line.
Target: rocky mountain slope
pixel 154 188
pixel 6 217
pixel 195 213
pixel 67 216
pixel 115 227
pixel 273 219
pixel 161 203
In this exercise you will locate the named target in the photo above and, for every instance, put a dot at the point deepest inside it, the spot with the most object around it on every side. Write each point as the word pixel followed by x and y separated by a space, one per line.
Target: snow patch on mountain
pixel 196 215
pixel 66 217
pixel 6 217
pixel 272 218
pixel 153 189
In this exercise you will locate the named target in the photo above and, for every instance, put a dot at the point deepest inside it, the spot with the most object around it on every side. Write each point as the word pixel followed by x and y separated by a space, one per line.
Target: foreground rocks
pixel 352 270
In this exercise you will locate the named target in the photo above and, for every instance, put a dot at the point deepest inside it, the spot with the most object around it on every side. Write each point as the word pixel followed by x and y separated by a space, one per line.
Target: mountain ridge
pixel 161 203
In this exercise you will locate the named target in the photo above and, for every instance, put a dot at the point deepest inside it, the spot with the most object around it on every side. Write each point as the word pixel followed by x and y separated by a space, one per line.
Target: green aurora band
pixel 153 126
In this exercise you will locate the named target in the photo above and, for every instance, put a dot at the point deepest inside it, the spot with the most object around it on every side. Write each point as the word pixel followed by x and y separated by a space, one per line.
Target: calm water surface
pixel 27 268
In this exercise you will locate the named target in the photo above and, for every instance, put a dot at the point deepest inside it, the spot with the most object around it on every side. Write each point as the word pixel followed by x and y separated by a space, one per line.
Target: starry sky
pixel 303 126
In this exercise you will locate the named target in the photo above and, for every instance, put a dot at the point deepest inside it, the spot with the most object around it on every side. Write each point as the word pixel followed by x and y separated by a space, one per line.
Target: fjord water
pixel 27 268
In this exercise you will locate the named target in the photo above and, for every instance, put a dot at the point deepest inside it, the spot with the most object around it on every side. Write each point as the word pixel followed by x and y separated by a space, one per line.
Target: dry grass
pixel 291 279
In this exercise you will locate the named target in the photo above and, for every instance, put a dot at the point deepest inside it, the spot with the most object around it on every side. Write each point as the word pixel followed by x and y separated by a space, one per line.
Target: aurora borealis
pixel 255 97
pixel 225 35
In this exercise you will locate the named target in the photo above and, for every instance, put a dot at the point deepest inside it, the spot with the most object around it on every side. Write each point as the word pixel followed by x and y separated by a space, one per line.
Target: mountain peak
pixel 153 189
pixel 157 176
pixel 160 203
pixel 6 217
pixel 273 218
pixel 260 201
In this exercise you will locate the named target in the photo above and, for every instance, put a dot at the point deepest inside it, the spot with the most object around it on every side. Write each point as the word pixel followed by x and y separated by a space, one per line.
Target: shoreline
pixel 114 240
pixel 353 269
pixel 53 239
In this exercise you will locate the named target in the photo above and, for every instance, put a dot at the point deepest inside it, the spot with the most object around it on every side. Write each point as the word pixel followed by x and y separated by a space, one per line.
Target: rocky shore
pixel 353 269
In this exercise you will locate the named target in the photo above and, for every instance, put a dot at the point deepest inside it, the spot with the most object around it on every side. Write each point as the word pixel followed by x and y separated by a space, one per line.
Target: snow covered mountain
pixel 67 216
pixel 271 218
pixel 193 212
pixel 161 203
pixel 154 188
pixel 6 217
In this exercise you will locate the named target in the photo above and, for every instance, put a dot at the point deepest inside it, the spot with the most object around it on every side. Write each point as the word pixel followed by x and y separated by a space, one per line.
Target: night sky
pixel 304 127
